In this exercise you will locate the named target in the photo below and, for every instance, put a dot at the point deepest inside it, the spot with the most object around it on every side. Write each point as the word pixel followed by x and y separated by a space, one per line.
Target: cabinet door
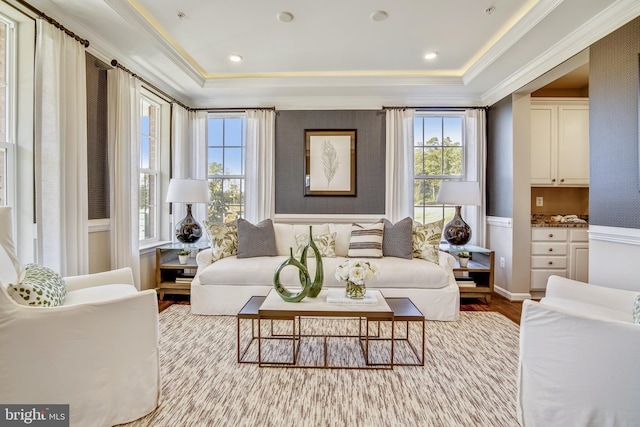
pixel 579 262
pixel 544 130
pixel 573 145
pixel 539 278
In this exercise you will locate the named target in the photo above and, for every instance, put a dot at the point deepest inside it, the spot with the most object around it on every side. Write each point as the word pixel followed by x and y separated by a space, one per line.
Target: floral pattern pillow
pixel 223 237
pixel 326 244
pixel 426 241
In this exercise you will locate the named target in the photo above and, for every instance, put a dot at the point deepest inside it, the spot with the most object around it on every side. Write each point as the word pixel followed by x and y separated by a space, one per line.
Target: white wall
pixel 613 257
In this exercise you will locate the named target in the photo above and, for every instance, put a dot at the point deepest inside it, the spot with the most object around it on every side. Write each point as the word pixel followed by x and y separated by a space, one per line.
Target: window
pixel 149 193
pixel 226 171
pixel 6 113
pixel 438 155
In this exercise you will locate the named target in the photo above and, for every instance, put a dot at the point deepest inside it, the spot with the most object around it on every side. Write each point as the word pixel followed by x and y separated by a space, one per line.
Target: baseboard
pixel 510 295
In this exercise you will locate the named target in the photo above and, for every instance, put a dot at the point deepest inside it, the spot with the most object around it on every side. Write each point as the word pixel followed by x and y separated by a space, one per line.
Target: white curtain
pixel 260 160
pixel 61 152
pixel 399 164
pixel 476 165
pixel 123 111
pixel 188 154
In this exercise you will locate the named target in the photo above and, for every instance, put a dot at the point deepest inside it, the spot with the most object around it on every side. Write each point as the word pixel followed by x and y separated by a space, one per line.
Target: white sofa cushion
pixel 98 294
pixel 588 310
pixel 286 235
pixel 259 271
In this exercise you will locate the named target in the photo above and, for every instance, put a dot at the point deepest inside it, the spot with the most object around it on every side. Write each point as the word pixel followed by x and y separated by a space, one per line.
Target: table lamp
pixel 188 191
pixel 458 193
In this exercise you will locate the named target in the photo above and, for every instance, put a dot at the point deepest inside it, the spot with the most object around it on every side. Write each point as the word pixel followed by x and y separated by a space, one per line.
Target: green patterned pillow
pixel 39 286
pixel 223 237
pixel 326 244
pixel 426 241
pixel 636 310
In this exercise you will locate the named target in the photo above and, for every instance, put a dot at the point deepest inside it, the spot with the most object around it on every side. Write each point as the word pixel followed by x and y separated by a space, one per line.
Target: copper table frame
pixel 403 311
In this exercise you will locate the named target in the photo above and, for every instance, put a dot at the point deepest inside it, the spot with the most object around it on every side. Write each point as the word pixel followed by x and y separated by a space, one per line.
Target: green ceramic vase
pixel 305 281
pixel 316 285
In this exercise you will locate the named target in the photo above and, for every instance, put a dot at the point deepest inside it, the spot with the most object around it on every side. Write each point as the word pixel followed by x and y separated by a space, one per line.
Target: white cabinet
pixel 560 142
pixel 558 251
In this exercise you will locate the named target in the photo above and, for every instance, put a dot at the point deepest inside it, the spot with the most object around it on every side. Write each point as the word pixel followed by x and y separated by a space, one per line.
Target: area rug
pixel 469 379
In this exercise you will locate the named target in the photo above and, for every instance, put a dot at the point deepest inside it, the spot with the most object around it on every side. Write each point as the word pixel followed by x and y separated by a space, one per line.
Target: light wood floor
pixel 510 309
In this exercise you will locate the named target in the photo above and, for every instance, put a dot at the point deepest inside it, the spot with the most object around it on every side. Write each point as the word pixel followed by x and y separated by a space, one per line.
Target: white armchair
pixel 98 352
pixel 579 357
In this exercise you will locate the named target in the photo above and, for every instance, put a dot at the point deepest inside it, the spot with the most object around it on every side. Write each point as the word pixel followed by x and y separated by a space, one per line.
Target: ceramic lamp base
pixel 188 230
pixel 457 232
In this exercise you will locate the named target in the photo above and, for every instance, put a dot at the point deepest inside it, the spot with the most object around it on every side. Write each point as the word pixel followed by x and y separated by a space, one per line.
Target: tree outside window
pixel 226 170
pixel 438 156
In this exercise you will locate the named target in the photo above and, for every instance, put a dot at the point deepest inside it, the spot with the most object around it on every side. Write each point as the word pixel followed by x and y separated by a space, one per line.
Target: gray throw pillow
pixel 256 240
pixel 397 241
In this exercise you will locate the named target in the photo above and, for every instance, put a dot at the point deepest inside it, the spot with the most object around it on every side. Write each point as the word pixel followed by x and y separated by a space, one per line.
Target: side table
pixel 476 279
pixel 171 276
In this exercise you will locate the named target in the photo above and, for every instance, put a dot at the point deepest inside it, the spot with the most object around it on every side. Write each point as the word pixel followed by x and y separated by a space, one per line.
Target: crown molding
pixel 131 15
pixel 616 15
pixel 538 12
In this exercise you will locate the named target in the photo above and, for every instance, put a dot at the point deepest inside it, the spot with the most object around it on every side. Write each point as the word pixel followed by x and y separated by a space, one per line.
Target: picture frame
pixel 330 162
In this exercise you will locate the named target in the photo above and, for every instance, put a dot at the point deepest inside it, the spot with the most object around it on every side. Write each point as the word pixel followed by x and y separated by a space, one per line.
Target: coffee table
pixel 273 308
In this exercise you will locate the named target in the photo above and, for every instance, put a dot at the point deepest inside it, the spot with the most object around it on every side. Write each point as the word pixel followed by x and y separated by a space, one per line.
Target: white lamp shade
pixel 459 193
pixel 187 191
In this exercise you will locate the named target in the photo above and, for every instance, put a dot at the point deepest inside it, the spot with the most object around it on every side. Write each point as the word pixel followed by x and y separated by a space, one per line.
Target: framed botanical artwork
pixel 330 163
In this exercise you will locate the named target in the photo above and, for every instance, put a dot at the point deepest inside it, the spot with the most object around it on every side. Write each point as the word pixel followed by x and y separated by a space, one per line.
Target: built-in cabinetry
pixel 559 141
pixel 560 251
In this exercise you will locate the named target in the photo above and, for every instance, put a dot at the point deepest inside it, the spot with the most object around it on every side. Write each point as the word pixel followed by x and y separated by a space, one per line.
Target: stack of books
pixel 184 278
pixel 465 281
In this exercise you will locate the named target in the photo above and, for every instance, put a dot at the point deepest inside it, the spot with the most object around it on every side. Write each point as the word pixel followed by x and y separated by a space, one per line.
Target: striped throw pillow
pixel 366 240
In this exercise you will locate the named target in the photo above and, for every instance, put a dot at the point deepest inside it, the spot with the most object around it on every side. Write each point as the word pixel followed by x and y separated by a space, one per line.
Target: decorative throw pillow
pixel 256 240
pixel 426 241
pixel 366 240
pixel 39 286
pixel 636 310
pixel 326 244
pixel 223 237
pixel 397 241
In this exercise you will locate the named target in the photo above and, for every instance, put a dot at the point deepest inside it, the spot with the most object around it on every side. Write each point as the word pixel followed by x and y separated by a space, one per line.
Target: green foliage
pixel 225 196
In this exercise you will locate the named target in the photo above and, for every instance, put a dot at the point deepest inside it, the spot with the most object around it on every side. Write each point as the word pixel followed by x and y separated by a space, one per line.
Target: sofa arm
pixel 446 260
pixel 575 369
pixel 207 257
pixel 122 276
pixel 616 299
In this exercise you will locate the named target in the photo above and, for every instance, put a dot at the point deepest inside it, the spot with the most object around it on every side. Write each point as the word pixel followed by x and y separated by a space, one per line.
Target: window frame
pixel 447 211
pixel 8 191
pixel 225 176
pixel 162 165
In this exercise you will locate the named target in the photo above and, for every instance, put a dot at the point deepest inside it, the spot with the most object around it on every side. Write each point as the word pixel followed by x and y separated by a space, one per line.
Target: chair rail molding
pixel 498 221
pixel 628 236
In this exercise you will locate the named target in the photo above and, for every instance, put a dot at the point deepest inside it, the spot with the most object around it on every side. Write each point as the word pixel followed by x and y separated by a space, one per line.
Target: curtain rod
pixel 168 98
pixel 225 109
pixel 435 108
pixel 55 23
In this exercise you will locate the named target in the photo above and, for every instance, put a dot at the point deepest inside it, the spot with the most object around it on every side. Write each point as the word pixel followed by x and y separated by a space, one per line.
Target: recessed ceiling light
pixel 430 55
pixel 235 57
pixel 379 15
pixel 285 17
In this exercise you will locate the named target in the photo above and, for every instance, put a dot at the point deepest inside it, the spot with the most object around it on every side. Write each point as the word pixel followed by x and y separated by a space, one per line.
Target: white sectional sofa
pixel 224 286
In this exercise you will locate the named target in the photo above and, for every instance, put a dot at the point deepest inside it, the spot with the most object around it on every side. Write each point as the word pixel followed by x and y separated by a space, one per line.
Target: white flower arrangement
pixel 357 271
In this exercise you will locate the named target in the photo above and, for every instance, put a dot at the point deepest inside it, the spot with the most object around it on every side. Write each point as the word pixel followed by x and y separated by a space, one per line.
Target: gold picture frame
pixel 330 163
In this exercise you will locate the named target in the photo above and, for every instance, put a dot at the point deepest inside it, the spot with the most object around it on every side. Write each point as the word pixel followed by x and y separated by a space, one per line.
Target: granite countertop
pixel 567 220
